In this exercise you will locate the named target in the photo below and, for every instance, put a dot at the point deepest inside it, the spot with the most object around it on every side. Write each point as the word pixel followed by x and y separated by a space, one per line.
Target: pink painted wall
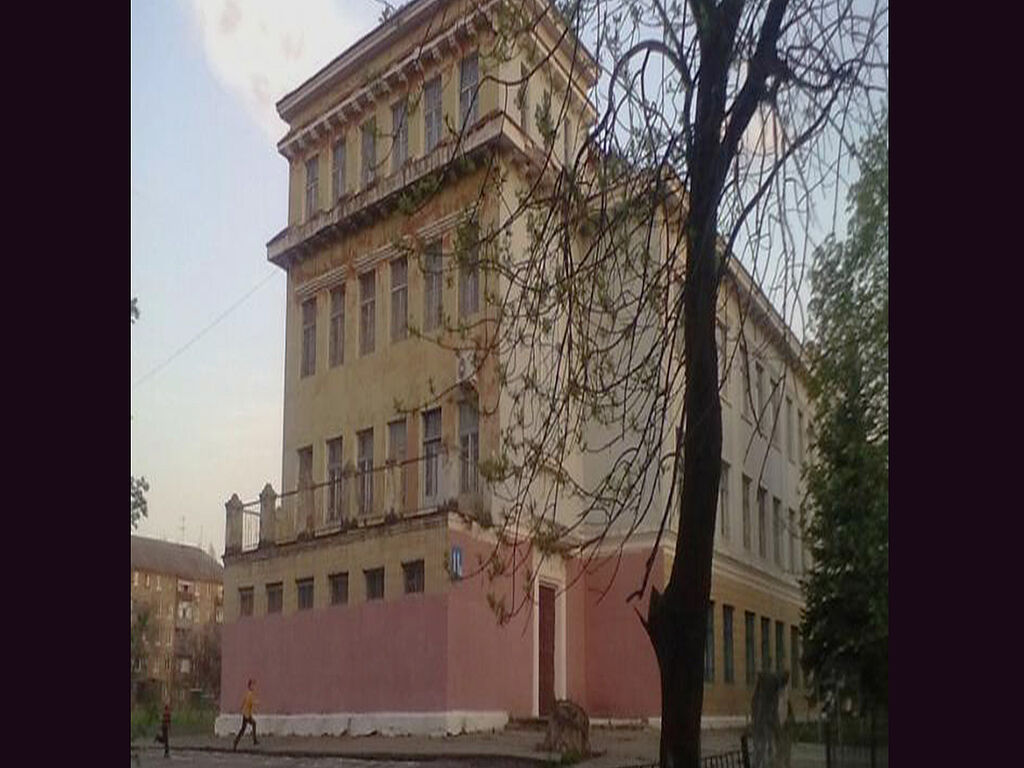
pixel 490 667
pixel 622 672
pixel 575 633
pixel 357 658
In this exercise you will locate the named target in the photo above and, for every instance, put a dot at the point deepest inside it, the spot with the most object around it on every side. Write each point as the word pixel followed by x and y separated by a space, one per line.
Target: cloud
pixel 260 50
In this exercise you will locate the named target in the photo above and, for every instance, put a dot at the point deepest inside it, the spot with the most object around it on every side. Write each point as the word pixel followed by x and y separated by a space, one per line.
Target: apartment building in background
pixel 352 595
pixel 181 587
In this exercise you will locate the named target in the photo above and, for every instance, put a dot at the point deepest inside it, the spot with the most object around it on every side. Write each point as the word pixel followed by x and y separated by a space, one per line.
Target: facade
pixel 354 597
pixel 182 590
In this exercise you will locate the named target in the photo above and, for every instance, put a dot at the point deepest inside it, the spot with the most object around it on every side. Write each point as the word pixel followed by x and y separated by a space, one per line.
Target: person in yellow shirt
pixel 247 704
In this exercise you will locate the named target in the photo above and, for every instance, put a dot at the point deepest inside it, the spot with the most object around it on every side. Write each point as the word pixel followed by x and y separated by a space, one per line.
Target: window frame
pixel 307 366
pixel 243 593
pixel 399 299
pixel 414 575
pixel 433 113
pixel 432 456
pixel 334 580
pixel 275 587
pixel 364 469
pixel 372 573
pixel 433 286
pixel 469 447
pixel 335 478
pixel 469 92
pixel 312 185
pixel 338 168
pixel 368 152
pixel 304 586
pixel 728 657
pixel 367 313
pixel 336 333
pixel 748 538
pixel 400 134
pixel 723 501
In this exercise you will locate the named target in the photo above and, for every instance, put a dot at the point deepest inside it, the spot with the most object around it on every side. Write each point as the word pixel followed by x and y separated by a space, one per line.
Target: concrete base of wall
pixel 708 722
pixel 367 723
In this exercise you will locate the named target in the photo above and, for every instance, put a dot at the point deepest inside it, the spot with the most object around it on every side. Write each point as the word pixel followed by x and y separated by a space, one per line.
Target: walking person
pixel 247 703
pixel 165 727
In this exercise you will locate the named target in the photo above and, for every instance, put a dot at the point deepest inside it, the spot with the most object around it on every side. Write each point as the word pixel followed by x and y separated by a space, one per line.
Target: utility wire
pixel 205 330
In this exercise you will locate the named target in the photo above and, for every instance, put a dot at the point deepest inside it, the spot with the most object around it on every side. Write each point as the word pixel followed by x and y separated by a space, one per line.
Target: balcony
pixel 357 209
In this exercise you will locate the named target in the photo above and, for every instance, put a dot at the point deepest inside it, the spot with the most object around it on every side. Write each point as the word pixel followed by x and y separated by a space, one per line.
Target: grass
pixel 186 721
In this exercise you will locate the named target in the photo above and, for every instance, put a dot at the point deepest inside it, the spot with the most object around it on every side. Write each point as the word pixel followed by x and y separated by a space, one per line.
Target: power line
pixel 205 330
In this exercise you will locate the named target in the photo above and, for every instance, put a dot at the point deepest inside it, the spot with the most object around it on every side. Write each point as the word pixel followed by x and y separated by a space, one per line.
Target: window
pixel 339 588
pixel 469 103
pixel 777 530
pixel 185 666
pixel 766 644
pixel 400 140
pixel 780 649
pixel 432 301
pixel 147 581
pixel 397 455
pixel 794 656
pixel 337 335
pixel 135 578
pixel 369 151
pixel 523 98
pixel 469 446
pixel 399 299
pixel 469 284
pixel 762 533
pixel 800 435
pixel 723 501
pixel 367 312
pixel 746 383
pixel 334 479
pixel 365 468
pixel 431 451
pixel 729 673
pixel 776 399
pixel 338 168
pixel 432 113
pixel 374 584
pixel 746 512
pixel 309 337
pixel 709 646
pixel 305 467
pixel 304 590
pixel 751 658
pixel 723 358
pixel 789 428
pixel 759 369
pixel 312 184
pixel 245 601
pixel 275 592
pixel 792 540
pixel 412 575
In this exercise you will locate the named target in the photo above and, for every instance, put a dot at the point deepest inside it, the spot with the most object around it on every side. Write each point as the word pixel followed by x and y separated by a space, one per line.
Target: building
pixel 181 588
pixel 351 596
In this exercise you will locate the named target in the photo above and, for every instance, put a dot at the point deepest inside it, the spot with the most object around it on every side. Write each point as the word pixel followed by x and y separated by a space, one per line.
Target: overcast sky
pixel 208 191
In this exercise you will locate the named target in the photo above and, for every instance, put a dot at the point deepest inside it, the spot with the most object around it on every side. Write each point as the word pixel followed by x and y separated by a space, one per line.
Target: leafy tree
pixel 139 485
pixel 846 621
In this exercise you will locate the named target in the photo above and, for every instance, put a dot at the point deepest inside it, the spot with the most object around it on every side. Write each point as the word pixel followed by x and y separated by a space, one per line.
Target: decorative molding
pixel 385 253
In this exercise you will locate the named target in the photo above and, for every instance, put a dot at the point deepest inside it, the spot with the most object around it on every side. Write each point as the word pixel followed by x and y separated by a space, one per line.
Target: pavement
pixel 515 747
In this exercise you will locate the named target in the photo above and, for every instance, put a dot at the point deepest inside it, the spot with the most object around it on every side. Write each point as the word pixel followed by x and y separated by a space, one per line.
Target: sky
pixel 208 191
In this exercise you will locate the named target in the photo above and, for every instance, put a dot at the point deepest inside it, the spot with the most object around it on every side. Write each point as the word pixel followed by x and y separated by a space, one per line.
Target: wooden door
pixel 546 632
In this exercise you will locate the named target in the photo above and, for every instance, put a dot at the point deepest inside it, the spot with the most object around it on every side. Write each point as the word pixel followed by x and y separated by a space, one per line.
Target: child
pixel 165 726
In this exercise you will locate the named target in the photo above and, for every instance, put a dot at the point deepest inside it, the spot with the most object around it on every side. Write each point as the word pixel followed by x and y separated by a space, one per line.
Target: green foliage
pixel 846 622
pixel 139 506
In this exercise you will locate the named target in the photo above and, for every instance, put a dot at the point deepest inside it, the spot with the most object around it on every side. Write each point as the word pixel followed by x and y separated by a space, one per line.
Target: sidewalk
pixel 517 744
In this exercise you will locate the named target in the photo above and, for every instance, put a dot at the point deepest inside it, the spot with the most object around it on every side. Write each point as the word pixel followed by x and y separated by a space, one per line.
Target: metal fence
pixel 736 758
pixel 856 755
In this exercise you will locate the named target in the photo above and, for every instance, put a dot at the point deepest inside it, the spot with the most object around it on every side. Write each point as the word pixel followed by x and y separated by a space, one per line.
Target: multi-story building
pixel 181 589
pixel 354 597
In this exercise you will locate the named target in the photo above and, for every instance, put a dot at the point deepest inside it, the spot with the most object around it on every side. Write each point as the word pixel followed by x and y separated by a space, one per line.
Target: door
pixel 546 632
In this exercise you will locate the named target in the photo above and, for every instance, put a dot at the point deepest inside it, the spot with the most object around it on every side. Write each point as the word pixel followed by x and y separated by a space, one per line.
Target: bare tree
pixel 719 127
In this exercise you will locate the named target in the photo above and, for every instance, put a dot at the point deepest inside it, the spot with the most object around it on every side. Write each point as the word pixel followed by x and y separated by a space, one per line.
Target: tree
pixel 846 621
pixel 719 126
pixel 139 485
